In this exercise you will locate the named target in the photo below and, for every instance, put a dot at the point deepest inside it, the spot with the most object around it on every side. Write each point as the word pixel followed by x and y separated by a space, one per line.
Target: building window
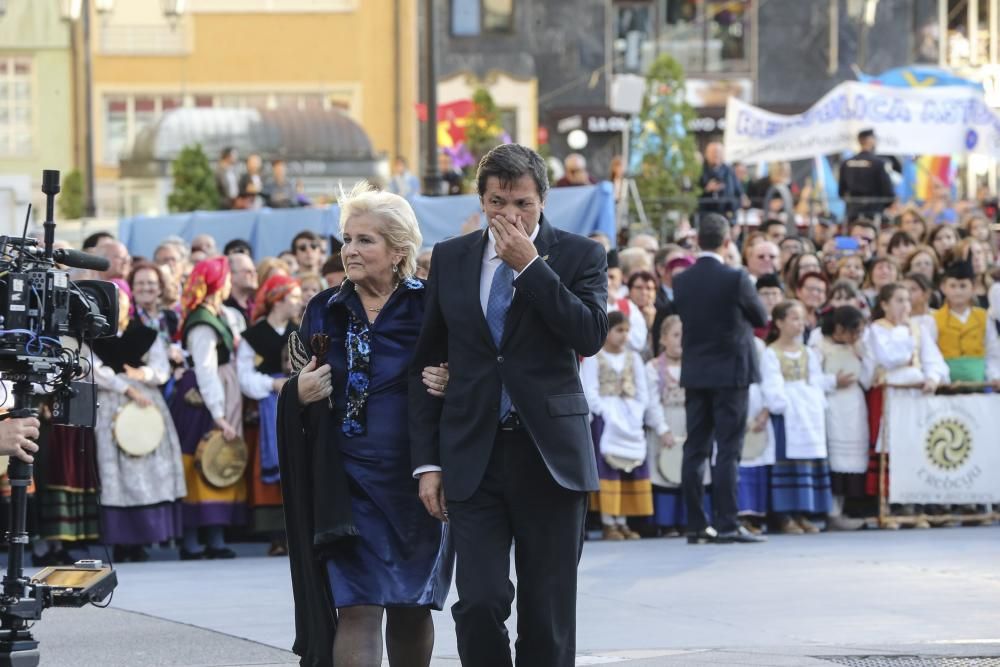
pixel 706 36
pixel 470 18
pixel 16 116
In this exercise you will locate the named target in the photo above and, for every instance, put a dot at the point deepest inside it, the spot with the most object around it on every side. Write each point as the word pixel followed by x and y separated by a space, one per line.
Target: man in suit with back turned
pixel 506 456
pixel 719 309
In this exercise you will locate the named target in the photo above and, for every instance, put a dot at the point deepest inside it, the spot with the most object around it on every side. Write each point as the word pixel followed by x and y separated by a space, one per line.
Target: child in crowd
pixel 793 385
pixel 668 428
pixel 753 490
pixel 846 414
pixel 614 381
pixel 921 294
pixel 771 294
pixel 969 346
pixel 897 352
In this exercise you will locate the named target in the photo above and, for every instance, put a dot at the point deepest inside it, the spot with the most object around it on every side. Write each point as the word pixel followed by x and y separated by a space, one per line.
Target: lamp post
pixel 432 178
pixel 3 7
pixel 72 11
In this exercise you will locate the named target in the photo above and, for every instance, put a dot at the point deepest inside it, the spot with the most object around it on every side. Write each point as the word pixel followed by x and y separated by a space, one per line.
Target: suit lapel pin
pixel 545 258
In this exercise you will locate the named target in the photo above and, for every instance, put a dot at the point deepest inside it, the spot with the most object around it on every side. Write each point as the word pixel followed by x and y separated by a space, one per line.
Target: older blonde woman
pixel 357 530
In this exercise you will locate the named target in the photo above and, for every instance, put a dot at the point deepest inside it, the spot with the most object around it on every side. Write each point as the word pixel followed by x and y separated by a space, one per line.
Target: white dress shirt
pixel 491 262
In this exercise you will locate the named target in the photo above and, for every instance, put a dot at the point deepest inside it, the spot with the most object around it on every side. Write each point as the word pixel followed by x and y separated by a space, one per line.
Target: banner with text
pixel 940 120
pixel 943 449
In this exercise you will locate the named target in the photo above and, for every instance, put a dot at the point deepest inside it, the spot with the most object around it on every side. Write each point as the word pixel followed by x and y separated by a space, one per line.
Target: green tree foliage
pixel 194 182
pixel 70 198
pixel 485 130
pixel 669 167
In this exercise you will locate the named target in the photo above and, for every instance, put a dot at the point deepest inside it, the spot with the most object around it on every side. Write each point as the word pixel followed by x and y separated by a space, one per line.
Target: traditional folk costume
pixel 968 344
pixel 754 487
pixel 140 495
pixel 665 413
pixel 260 359
pixel 847 437
pixel 207 391
pixel 615 386
pixel 638 330
pixel 793 386
pixel 903 354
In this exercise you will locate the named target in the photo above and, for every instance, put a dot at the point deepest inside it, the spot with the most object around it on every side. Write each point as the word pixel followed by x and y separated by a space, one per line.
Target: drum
pixel 138 431
pixel 669 462
pixel 754 443
pixel 221 462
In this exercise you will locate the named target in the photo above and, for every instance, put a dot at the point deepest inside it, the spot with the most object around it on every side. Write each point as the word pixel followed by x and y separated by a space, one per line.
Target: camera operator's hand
pixel 138 397
pixel 16 438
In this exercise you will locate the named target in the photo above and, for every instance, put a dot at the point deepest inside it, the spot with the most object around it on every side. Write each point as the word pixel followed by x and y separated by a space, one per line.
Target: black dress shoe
pixel 741 535
pixel 225 553
pixel 704 536
pixel 192 555
pixel 120 553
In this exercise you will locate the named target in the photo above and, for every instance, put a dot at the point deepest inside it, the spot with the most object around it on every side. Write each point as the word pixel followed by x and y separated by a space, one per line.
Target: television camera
pixel 45 318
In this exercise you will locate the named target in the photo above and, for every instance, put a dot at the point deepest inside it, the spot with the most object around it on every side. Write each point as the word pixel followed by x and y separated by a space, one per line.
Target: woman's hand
pixel 930 386
pixel 315 384
pixel 436 379
pixel 228 432
pixel 667 440
pixel 138 397
pixel 133 373
pixel 277 384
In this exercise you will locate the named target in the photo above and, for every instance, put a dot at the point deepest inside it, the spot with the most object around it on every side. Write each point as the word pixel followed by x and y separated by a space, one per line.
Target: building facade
pixel 36 93
pixel 358 56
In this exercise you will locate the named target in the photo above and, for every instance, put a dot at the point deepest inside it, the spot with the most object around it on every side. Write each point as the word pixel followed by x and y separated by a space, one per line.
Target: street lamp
pixel 432 177
pixel 3 7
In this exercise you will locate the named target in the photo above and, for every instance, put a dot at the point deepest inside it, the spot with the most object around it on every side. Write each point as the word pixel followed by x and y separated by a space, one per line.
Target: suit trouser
pixel 720 416
pixel 519 501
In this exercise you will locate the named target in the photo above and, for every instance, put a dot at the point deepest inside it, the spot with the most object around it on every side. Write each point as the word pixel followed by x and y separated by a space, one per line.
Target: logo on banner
pixel 949 444
pixel 971 139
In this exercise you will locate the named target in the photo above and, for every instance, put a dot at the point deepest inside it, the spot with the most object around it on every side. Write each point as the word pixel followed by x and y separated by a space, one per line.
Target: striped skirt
pixel 622 493
pixel 798 486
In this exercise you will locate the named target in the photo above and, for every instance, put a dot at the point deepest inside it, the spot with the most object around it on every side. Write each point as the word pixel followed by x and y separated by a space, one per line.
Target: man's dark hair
pixel 307 234
pixel 862 222
pixel 95 238
pixel 237 246
pixel 226 153
pixel 616 317
pixel 770 222
pixel 866 134
pixel 713 230
pixel 509 162
pixel 333 264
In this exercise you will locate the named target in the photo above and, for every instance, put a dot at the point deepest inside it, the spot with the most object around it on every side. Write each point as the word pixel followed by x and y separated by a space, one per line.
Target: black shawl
pixel 318 517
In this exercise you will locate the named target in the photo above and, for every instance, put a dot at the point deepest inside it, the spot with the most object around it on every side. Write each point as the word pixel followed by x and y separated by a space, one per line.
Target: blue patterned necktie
pixel 501 293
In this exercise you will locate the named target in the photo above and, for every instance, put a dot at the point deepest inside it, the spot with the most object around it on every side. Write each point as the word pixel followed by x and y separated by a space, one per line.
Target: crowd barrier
pixel 941 449
pixel 582 210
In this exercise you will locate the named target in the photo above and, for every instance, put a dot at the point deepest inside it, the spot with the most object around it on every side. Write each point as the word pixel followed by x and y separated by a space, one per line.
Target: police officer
pixel 864 182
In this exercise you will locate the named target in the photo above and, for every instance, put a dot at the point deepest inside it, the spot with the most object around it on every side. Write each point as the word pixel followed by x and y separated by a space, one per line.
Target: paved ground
pixel 791 601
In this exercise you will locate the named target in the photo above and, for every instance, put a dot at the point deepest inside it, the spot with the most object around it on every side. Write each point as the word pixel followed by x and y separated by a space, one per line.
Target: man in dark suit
pixel 719 308
pixel 510 310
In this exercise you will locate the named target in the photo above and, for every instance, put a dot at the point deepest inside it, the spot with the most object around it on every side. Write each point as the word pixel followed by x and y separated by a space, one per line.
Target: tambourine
pixel 138 431
pixel 221 462
pixel 754 443
pixel 669 462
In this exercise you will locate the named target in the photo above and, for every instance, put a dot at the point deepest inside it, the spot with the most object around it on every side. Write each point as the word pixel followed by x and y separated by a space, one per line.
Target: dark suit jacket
pixel 558 312
pixel 719 308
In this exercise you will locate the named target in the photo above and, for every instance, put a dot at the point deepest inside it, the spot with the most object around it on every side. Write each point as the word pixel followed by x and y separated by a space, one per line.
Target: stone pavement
pixel 792 601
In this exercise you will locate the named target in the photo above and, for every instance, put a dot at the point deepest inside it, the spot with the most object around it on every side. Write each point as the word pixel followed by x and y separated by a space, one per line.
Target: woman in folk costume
pixel 208 398
pixel 262 368
pixel 793 385
pixel 614 381
pixel 140 493
pixel 898 351
pixel 668 427
pixel 847 413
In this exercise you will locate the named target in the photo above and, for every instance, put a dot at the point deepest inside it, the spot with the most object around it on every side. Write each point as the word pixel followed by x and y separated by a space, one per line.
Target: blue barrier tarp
pixel 582 210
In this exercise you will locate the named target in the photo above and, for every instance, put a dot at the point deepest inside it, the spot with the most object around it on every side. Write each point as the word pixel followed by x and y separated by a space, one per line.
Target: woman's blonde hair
pixel 399 225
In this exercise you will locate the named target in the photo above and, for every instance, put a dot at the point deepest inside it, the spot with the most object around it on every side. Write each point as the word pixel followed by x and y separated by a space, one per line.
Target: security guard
pixel 864 181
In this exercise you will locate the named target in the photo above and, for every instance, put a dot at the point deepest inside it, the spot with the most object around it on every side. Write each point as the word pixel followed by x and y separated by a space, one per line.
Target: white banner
pixel 940 120
pixel 943 449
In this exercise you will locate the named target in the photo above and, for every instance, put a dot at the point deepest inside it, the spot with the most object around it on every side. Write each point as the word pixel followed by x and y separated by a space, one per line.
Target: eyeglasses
pixel 302 247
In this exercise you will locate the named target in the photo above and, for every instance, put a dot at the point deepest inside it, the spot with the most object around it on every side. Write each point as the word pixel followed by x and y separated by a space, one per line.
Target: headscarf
pixel 207 278
pixel 274 289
